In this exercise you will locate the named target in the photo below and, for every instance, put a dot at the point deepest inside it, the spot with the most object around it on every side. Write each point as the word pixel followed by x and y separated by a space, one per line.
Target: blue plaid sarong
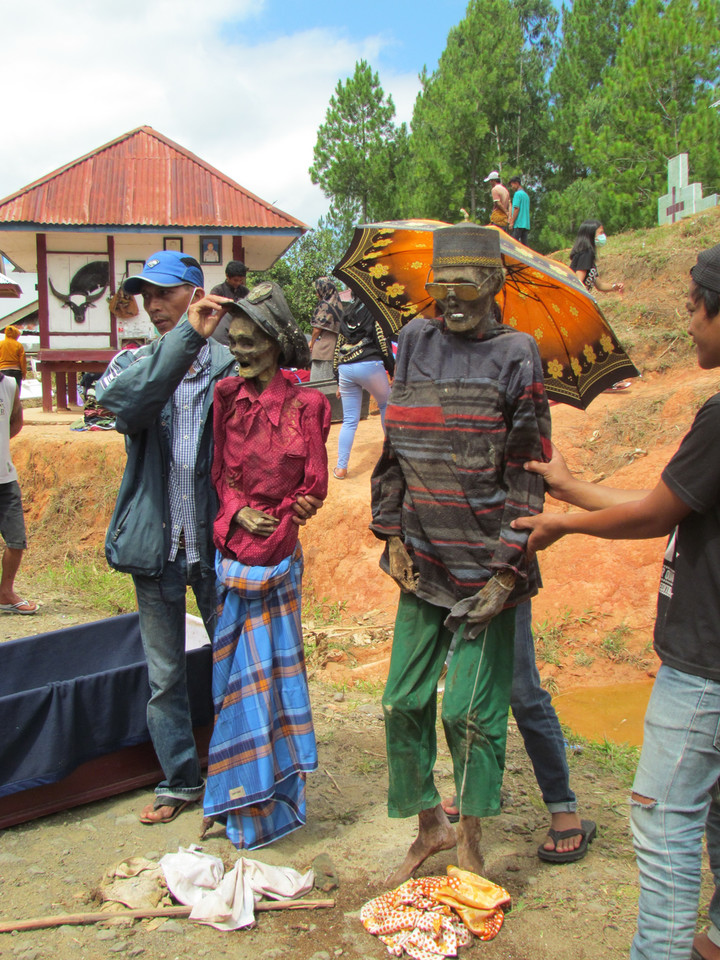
pixel 263 741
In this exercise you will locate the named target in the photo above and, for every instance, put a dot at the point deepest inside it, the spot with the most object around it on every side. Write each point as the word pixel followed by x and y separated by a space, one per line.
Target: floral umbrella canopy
pixel 388 264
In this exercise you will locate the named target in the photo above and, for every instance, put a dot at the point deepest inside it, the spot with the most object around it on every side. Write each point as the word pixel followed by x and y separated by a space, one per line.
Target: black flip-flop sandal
pixel 587 831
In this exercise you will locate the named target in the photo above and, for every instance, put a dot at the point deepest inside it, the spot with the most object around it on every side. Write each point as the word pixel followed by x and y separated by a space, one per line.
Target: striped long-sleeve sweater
pixel 463 417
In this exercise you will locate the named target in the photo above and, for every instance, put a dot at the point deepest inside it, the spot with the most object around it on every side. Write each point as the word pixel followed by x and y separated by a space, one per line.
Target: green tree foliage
pixel 461 126
pixel 313 255
pixel 483 108
pixel 538 21
pixel 588 120
pixel 358 150
pixel 588 46
pixel 655 103
pixel 590 39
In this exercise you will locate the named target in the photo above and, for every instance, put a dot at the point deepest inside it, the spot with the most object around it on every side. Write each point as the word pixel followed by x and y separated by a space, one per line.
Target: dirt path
pixel 581 912
pixel 593 592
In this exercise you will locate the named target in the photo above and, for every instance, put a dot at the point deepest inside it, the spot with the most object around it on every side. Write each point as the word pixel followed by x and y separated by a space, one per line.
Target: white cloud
pixel 92 71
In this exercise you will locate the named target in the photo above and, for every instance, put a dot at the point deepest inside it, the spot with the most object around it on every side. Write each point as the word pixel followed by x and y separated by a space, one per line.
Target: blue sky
pixel 413 33
pixel 244 84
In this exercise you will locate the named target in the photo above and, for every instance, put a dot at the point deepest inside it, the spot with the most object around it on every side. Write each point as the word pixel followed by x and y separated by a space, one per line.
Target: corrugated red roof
pixel 142 179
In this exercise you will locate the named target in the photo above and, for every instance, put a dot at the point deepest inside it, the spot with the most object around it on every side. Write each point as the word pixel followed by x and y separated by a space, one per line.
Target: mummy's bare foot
pixel 435 834
pixel 469 834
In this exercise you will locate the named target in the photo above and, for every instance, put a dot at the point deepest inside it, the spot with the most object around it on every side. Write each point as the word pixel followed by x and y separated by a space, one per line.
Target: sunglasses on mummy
pixel 463 291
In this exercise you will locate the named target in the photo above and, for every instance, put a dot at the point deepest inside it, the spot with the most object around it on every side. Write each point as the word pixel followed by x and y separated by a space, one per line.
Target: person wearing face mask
pixel 583 261
pixel 583 257
pixel 467 402
pixel 161 528
pixel 269 449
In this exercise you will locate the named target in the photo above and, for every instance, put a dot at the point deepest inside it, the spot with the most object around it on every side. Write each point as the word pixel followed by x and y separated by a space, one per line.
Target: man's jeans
pixel 678 771
pixel 161 605
pixel 537 721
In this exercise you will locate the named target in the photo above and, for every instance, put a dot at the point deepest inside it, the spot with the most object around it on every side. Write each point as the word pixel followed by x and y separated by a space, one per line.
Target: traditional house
pixel 94 221
pixel 8 288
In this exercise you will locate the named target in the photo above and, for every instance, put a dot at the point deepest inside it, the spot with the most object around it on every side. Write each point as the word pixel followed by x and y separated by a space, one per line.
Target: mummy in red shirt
pixel 269 433
pixel 269 450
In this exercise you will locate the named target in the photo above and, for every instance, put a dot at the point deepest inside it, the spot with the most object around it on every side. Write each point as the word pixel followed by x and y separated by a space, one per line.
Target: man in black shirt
pixel 234 288
pixel 675 795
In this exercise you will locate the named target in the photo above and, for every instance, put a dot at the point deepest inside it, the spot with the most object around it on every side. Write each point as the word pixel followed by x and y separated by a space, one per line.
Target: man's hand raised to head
pixel 204 314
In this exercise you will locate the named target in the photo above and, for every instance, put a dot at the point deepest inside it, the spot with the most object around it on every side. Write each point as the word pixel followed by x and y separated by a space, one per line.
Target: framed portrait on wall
pixel 173 243
pixel 133 267
pixel 210 250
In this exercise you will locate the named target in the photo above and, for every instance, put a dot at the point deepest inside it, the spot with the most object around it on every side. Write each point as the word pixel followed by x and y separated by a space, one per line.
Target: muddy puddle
pixel 614 712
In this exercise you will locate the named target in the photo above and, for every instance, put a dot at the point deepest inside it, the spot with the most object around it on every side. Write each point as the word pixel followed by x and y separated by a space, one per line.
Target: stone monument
pixel 682 198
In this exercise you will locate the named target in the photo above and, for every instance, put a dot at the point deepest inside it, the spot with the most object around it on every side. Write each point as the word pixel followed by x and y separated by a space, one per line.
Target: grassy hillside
pixel 649 317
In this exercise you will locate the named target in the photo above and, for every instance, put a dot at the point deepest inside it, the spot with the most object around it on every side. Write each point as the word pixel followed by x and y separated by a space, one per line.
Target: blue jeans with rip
pixel 678 773
pixel 161 605
pixel 537 721
pixel 352 378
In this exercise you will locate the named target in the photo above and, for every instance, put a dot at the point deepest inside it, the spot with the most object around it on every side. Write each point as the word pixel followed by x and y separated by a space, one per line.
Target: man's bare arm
pixel 655 515
pixel 562 485
pixel 16 415
pixel 498 195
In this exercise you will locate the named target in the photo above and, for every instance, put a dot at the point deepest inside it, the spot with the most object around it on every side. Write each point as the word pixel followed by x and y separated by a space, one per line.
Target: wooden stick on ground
pixel 333 781
pixel 77 919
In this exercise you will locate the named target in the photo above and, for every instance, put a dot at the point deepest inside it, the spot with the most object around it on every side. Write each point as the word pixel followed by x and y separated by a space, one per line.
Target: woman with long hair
pixel 583 257
pixel 583 261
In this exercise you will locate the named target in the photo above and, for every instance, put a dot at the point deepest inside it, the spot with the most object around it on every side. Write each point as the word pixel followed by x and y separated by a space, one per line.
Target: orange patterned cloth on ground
pixel 432 916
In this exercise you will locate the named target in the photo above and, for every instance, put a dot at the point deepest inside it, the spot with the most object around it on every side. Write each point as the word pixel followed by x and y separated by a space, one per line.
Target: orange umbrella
pixel 388 264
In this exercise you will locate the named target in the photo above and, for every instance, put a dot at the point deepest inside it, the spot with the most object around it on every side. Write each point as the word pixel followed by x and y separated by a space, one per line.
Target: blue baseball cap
pixel 167 268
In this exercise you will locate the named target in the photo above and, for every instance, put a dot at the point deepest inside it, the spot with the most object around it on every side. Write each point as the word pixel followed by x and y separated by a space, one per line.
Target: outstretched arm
pixel 562 485
pixel 655 515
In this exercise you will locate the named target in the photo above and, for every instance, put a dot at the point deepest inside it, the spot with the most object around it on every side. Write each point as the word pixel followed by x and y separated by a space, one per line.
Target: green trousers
pixel 474 711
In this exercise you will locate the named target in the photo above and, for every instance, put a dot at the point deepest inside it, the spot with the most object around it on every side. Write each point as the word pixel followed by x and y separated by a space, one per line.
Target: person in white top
pixel 12 521
pixel 500 214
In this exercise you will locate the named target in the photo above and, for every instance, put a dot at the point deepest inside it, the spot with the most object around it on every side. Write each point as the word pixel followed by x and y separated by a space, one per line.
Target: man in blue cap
pixel 161 529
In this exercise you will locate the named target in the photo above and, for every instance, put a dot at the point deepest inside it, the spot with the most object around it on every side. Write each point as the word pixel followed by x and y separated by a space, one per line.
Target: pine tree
pixel 462 125
pixel 357 149
pixel 590 39
pixel 655 103
pixel 484 108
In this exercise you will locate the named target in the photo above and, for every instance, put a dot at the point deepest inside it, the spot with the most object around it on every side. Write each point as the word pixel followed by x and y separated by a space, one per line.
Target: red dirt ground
pixel 590 588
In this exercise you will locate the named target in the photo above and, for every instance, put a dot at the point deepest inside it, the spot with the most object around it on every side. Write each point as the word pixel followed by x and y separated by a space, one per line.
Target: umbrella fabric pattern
pixel 388 264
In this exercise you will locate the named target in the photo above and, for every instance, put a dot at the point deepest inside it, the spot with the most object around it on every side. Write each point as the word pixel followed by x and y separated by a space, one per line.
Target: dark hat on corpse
pixel 267 307
pixel 467 245
pixel 706 272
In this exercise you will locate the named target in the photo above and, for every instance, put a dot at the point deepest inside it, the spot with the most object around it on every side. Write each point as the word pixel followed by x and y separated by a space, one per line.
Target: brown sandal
pixel 177 808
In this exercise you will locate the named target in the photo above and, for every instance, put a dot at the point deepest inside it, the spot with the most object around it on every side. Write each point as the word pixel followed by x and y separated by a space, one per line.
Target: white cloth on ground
pixel 226 901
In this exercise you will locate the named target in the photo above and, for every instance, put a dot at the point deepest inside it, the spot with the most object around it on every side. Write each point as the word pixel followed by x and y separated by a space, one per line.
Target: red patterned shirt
pixel 269 449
